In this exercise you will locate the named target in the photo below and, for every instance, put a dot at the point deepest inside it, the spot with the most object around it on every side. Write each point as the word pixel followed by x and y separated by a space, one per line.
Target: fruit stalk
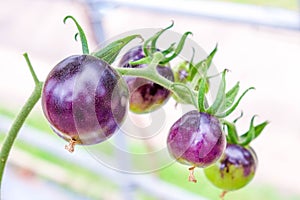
pixel 151 74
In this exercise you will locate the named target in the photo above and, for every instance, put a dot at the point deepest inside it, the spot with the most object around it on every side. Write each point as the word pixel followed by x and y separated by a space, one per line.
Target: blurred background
pixel 259 41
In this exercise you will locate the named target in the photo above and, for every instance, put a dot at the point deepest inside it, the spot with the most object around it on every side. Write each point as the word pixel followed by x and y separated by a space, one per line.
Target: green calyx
pixel 197 79
pixel 246 138
pixel 195 76
pixel 84 44
pixel 224 103
pixel 110 52
pixel 192 90
pixel 177 50
pixel 180 90
pixel 199 69
pixel 153 58
pixel 150 47
pixel 153 41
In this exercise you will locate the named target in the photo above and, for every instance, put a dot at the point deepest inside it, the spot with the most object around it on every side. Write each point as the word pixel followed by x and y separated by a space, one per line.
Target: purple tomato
pixel 196 139
pixel 84 99
pixel 145 96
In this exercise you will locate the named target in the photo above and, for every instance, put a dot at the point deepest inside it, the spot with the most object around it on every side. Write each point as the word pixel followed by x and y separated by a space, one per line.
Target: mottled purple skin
pixel 238 156
pixel 235 169
pixel 84 99
pixel 145 96
pixel 196 139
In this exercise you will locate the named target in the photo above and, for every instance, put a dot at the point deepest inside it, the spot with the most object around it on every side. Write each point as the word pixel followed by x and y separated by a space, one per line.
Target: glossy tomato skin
pixel 196 139
pixel 145 96
pixel 235 169
pixel 84 99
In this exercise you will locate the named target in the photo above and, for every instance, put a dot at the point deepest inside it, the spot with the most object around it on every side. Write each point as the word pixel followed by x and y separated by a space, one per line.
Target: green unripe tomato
pixel 234 170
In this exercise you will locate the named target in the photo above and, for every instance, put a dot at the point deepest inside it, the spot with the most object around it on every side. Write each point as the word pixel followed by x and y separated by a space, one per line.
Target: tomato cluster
pixel 85 100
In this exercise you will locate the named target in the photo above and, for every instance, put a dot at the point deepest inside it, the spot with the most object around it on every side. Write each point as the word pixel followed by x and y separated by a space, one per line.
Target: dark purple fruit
pixel 196 139
pixel 84 99
pixel 234 170
pixel 145 96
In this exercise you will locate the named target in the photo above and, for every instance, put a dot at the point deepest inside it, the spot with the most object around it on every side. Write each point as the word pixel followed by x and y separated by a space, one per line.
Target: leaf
pixel 201 95
pixel 156 36
pixel 191 65
pixel 211 56
pixel 250 135
pixel 232 135
pixel 258 130
pixel 230 110
pixel 203 65
pixel 239 117
pixel 112 50
pixel 231 95
pixel 170 49
pixel 178 48
pixel 84 43
pixel 153 41
pixel 220 96
pixel 229 98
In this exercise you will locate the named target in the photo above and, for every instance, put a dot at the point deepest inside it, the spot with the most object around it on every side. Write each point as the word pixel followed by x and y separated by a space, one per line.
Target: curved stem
pixel 148 72
pixel 34 76
pixel 19 121
pixel 151 74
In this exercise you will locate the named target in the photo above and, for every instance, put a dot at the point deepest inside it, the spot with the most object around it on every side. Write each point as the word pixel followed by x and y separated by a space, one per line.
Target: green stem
pixel 151 74
pixel 19 121
pixel 34 76
pixel 148 72
pixel 13 132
